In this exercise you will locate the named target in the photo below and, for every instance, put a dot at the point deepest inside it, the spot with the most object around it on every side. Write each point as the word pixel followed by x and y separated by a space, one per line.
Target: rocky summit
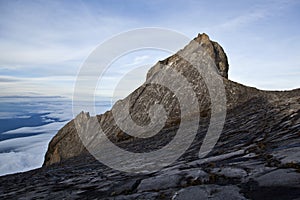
pixel 256 156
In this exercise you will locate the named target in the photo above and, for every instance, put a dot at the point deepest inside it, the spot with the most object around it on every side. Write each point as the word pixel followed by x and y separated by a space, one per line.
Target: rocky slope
pixel 256 157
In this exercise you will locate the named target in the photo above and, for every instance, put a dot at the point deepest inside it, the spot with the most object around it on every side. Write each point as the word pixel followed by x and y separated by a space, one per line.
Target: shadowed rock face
pixel 256 157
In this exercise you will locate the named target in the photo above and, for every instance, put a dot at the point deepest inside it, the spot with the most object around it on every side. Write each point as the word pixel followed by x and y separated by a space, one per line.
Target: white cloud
pixel 36 39
pixel 51 85
pixel 242 20
pixel 26 153
pixel 138 60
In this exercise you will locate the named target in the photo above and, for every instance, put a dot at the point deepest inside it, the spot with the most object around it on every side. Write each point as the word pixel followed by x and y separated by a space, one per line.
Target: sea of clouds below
pixel 27 152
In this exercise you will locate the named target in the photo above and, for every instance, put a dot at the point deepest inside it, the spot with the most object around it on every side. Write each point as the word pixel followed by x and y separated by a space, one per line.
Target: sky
pixel 43 43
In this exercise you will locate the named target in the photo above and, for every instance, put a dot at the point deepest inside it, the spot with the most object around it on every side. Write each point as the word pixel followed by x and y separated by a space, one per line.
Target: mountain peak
pixel 197 46
pixel 202 37
pixel 216 52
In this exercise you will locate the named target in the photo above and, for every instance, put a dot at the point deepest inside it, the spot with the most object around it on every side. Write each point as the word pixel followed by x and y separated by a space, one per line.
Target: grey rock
pixel 209 192
pixel 161 182
pixel 217 158
pixel 230 172
pixel 195 175
pixel 288 155
pixel 139 196
pixel 280 177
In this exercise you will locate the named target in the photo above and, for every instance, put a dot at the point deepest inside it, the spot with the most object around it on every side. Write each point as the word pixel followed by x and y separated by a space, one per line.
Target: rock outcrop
pixel 67 144
pixel 256 157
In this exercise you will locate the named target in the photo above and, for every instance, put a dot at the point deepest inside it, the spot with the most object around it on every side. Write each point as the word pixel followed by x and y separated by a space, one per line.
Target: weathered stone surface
pixel 280 177
pixel 160 182
pixel 230 172
pixel 256 156
pixel 214 192
pixel 288 155
pixel 213 49
pixel 172 179
pixel 65 144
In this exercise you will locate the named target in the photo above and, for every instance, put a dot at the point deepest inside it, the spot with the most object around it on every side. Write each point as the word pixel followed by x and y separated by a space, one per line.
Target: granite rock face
pixel 213 49
pixel 148 94
pixel 256 156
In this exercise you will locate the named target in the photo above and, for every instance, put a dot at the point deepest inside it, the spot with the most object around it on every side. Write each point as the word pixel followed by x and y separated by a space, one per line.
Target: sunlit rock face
pixel 67 144
pixel 256 157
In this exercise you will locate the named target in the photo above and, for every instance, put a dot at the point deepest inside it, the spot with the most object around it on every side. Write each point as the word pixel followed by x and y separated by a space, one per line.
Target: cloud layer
pixel 24 148
pixel 26 153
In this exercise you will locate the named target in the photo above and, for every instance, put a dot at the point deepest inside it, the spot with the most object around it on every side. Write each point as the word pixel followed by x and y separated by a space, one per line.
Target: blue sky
pixel 44 43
